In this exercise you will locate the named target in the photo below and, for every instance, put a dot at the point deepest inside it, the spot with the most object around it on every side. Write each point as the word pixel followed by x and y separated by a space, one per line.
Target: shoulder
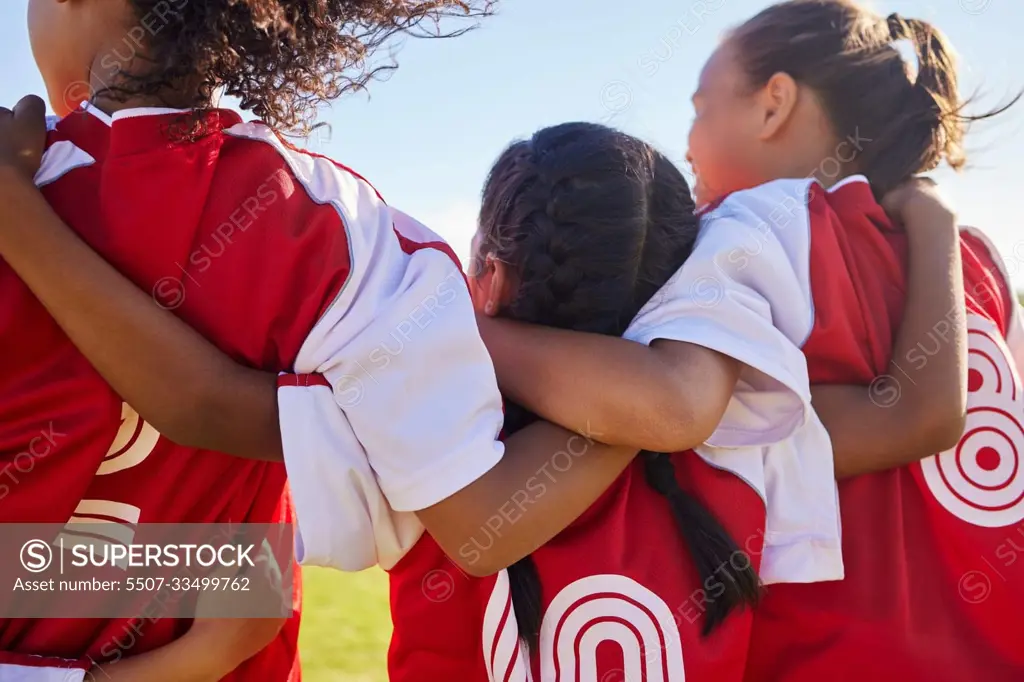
pixel 769 223
pixel 321 176
pixel 766 202
pixel 320 182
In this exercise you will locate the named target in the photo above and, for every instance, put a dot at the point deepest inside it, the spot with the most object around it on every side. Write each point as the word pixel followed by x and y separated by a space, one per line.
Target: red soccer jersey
pixel 222 231
pixel 925 545
pixel 621 597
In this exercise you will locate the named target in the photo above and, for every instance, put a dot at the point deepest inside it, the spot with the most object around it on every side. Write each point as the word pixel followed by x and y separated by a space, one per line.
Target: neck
pixel 107 75
pixel 828 164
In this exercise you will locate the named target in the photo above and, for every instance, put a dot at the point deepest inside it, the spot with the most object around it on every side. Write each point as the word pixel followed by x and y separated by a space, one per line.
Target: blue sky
pixel 427 136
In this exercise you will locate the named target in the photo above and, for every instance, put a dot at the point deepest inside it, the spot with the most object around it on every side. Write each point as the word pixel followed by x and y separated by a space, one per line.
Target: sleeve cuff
pixel 774 394
pixel 446 477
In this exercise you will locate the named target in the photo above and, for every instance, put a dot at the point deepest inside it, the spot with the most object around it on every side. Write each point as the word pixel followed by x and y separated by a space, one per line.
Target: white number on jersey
pixel 114 521
pixel 981 480
pixel 592 611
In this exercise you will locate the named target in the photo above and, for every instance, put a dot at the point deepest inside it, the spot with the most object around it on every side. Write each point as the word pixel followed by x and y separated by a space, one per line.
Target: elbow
pixel 942 428
pixel 469 557
pixel 478 564
pixel 480 570
pixel 682 426
pixel 191 423
pixel 945 436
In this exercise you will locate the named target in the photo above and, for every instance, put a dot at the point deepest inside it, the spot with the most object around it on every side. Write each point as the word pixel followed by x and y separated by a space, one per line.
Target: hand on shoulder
pixel 917 204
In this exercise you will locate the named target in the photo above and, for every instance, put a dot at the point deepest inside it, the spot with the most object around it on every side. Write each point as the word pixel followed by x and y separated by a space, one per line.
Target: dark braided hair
pixel 593 222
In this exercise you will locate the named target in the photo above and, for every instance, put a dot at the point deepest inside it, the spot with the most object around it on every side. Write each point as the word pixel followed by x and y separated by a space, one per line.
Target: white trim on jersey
pixel 134 112
pixel 59 159
pixel 415 411
pixel 745 291
pixel 1015 325
pixel 13 672
pixel 504 653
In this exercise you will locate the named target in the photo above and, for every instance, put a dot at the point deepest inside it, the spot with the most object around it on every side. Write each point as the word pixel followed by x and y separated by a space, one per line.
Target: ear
pixel 491 287
pixel 778 100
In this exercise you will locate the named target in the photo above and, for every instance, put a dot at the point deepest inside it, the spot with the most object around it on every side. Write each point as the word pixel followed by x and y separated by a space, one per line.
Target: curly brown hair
pixel 280 58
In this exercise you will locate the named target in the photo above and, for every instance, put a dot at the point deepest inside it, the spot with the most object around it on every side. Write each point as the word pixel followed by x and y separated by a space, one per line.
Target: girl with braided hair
pixel 817 91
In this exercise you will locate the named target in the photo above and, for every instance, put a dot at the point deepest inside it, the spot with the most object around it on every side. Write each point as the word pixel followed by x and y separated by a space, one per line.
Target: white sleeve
pixel 409 369
pixel 745 292
pixel 344 521
pixel 59 158
pixel 415 412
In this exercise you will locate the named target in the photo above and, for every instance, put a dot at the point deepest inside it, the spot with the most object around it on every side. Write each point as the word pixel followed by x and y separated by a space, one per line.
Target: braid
pixel 710 545
pixel 594 222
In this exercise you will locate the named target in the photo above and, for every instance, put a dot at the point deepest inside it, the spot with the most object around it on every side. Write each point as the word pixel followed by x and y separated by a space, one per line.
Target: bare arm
pixel 919 407
pixel 547 478
pixel 206 653
pixel 195 395
pixel 185 387
pixel 632 394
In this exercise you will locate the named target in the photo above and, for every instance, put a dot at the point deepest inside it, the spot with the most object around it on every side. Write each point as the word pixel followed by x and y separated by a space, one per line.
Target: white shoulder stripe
pixel 359 207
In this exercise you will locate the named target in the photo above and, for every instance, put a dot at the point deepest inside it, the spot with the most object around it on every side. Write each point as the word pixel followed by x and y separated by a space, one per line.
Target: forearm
pixel 175 379
pixel 933 383
pixel 183 660
pixel 866 437
pixel 663 397
pixel 547 478
pixel 918 407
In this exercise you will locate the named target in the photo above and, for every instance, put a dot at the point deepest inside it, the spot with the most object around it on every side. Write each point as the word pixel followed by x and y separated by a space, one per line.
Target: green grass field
pixel 345 626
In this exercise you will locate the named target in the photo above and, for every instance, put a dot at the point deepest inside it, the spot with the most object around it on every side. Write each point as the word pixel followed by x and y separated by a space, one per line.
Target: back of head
pixel 898 124
pixel 592 222
pixel 280 58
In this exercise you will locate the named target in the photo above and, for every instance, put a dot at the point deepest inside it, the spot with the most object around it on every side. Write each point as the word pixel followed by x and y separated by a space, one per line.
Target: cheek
pixel 721 157
pixel 710 153
pixel 51 49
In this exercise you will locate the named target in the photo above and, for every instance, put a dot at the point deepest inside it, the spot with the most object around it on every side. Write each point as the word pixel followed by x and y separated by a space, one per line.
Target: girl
pixel 321 273
pixel 560 213
pixel 938 523
pixel 923 542
pixel 569 240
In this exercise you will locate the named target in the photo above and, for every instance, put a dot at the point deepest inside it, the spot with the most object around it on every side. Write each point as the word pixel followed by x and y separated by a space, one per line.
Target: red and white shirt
pixel 621 599
pixel 289 263
pixel 932 589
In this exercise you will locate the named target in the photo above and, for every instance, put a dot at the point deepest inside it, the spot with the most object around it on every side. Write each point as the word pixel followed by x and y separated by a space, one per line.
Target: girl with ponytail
pixel 585 235
pixel 807 117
